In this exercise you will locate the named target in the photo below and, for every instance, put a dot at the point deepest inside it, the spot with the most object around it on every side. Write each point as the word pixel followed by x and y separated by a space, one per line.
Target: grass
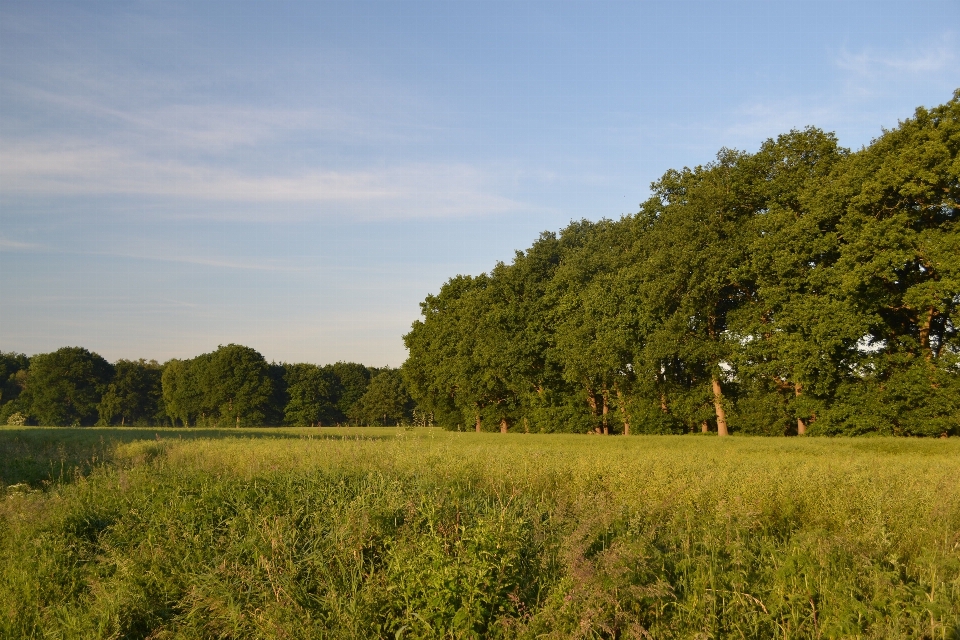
pixel 386 533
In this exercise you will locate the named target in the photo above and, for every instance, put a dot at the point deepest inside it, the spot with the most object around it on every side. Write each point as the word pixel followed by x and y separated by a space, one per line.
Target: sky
pixel 298 177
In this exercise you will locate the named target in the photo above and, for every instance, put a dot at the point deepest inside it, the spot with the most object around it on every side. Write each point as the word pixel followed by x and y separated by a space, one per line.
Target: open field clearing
pixel 366 533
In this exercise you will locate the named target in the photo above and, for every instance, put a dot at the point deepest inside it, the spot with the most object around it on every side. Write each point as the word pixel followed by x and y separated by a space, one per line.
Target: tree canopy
pixel 802 288
pixel 231 386
pixel 64 387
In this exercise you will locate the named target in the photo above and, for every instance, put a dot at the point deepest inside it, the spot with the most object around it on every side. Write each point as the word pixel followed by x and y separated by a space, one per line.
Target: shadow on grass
pixel 40 456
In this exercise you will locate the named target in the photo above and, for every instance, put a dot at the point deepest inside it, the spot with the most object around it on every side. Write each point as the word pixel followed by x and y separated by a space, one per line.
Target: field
pixel 394 533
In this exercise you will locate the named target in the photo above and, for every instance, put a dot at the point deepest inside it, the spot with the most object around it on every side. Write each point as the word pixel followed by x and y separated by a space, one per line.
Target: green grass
pixel 368 533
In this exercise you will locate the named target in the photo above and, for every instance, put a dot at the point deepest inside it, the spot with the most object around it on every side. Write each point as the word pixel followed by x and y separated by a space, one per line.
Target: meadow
pixel 396 533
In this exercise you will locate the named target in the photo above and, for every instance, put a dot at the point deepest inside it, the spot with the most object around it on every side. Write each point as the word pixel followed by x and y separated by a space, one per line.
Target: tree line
pixel 801 288
pixel 232 386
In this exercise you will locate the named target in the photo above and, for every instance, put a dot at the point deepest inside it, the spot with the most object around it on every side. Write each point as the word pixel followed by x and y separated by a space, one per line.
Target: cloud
pixel 210 128
pixel 869 89
pixel 102 133
pixel 871 65
pixel 218 263
pixel 17 246
pixel 223 263
pixel 404 191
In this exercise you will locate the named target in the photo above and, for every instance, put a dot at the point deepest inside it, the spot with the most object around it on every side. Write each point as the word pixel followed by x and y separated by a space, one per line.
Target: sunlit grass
pixel 360 533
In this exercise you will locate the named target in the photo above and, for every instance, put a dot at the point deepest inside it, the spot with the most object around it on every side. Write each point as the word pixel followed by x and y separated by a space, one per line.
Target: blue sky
pixel 297 177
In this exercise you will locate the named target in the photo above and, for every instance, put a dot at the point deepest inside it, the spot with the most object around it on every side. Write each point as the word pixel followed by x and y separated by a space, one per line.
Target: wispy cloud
pixel 213 127
pixel 98 138
pixel 870 64
pixel 218 263
pixel 867 81
pixel 206 261
pixel 415 190
pixel 8 244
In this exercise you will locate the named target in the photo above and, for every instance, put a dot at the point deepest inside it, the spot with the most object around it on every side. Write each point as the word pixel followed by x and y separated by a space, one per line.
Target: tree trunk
pixel 801 425
pixel 478 423
pixel 718 406
pixel 503 425
pixel 704 427
pixel 606 427
pixel 623 413
pixel 592 401
pixel 662 383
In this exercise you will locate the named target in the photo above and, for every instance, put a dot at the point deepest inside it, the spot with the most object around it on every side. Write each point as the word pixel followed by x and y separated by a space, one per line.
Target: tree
pixel 237 386
pixel 350 382
pixel 13 373
pixel 135 395
pixel 802 288
pixel 593 337
pixel 797 330
pixel 385 401
pixel 694 280
pixel 182 393
pixel 898 266
pixel 441 372
pixel 64 387
pixel 310 392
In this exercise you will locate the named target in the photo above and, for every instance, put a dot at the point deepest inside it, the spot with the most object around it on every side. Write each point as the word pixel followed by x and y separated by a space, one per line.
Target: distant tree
pixel 233 386
pixel 13 373
pixel 182 394
pixel 10 364
pixel 279 398
pixel 385 402
pixel 65 387
pixel 310 390
pixel 135 394
pixel 350 382
pixel 237 386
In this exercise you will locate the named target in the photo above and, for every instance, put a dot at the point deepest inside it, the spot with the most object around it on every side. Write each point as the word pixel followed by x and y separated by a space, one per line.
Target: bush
pixel 17 419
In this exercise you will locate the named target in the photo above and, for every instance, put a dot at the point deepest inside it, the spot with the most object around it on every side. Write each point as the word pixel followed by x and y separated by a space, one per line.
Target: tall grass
pixel 389 533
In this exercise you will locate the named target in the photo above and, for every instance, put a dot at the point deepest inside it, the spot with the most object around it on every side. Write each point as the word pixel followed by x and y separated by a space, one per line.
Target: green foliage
pixel 324 395
pixel 237 386
pixel 17 419
pixel 134 396
pixel 371 533
pixel 350 382
pixel 233 386
pixel 309 389
pixel 65 387
pixel 13 370
pixel 385 402
pixel 801 288
pixel 182 393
